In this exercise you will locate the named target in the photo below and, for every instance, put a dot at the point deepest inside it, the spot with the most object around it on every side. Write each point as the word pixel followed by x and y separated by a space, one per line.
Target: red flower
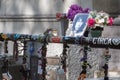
pixel 91 22
pixel 58 16
pixel 110 21
pixel 61 16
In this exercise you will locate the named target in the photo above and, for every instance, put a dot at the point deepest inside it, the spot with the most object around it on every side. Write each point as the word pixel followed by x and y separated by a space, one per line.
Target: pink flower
pixel 91 22
pixel 110 21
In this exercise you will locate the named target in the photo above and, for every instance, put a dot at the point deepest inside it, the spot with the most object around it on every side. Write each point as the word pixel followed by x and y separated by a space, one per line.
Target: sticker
pixel 116 41
pixel 55 39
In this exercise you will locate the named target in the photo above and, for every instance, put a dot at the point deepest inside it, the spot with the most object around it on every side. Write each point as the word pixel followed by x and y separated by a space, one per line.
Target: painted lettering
pixel 103 41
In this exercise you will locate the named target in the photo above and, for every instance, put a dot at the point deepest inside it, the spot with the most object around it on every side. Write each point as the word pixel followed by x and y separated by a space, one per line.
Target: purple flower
pixel 74 9
pixel 80 8
pixel 71 14
pixel 79 11
pixel 86 10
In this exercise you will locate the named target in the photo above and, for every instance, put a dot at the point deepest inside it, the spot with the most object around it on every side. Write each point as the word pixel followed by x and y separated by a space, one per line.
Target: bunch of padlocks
pixel 107 57
pixel 85 64
pixel 64 56
pixel 42 61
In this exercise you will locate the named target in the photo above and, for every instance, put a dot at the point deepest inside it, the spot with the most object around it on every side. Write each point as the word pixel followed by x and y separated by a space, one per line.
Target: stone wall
pixel 109 6
pixel 74 56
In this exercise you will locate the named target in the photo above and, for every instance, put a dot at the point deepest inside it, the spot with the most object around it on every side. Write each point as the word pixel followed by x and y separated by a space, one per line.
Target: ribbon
pixel 34 37
pixel 4 36
pixel 16 36
pixel 40 38
pixel 31 49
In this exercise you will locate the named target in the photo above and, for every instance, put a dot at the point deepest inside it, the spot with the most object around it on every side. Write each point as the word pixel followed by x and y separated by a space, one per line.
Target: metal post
pixel 113 43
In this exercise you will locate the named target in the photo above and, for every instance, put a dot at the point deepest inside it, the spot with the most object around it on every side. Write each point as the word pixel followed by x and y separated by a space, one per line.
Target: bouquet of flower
pixel 100 19
pixel 75 9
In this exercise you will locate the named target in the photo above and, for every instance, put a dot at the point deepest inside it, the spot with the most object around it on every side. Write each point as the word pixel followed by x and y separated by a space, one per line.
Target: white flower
pixel 101 21
pixel 101 18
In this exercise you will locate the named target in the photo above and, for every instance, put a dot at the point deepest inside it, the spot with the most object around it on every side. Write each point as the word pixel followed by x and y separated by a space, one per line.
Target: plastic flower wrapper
pixel 102 19
pixel 93 14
